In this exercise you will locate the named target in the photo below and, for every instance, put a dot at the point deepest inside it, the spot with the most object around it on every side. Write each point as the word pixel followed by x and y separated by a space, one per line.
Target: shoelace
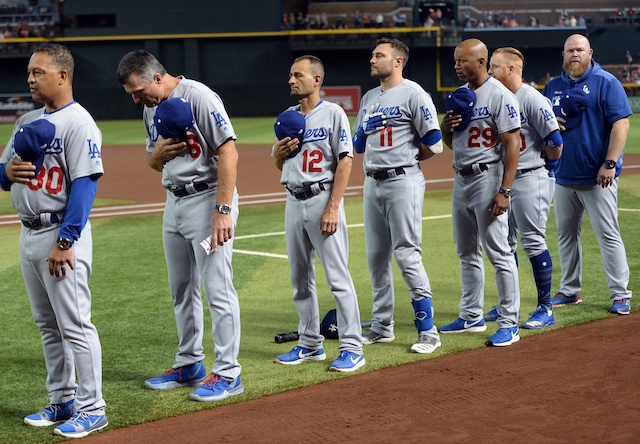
pixel 212 380
pixel 51 410
pixel 172 371
pixel 75 419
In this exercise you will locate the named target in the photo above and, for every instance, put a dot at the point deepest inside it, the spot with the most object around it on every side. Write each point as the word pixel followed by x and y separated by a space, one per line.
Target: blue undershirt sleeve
pixel 432 137
pixel 5 183
pixel 81 196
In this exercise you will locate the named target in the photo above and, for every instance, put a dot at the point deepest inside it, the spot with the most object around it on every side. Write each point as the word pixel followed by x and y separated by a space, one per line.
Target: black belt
pixel 528 170
pixel 43 220
pixel 468 171
pixel 386 174
pixel 307 192
pixel 189 189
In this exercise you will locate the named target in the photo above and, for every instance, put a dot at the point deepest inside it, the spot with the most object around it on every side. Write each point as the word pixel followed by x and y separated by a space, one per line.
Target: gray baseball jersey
pixel 474 227
pixel 495 112
pixel 393 206
pixel 213 128
pixel 537 122
pixel 61 307
pixel 327 136
pixel 187 222
pixel 410 114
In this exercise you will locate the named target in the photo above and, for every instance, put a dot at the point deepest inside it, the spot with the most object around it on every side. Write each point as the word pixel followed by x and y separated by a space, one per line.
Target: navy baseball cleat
pixel 81 424
pixel 347 362
pixel 186 376
pixel 215 388
pixel 298 355
pixel 541 318
pixel 463 326
pixel 621 306
pixel 51 414
pixel 504 336
pixel 561 299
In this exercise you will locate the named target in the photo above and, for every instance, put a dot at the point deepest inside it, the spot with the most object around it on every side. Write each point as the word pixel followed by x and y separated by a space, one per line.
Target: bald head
pixel 471 58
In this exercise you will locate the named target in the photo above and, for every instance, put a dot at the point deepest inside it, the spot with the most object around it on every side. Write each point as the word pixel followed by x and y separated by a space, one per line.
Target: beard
pixel 575 70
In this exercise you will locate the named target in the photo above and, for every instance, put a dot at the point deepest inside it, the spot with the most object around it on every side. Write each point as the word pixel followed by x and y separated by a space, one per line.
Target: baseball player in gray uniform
pixel 396 128
pixel 54 202
pixel 532 191
pixel 316 178
pixel 199 169
pixel 485 158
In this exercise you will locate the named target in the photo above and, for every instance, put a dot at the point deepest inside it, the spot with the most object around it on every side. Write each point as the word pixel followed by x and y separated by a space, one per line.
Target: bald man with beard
pixel 587 173
pixel 485 158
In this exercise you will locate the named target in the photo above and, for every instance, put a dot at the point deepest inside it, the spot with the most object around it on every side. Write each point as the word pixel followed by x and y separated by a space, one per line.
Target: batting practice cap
pixel 461 102
pixel 329 325
pixel 173 118
pixel 32 140
pixel 572 103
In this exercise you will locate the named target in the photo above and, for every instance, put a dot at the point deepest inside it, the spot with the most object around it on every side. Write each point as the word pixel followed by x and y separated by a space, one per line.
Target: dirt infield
pixel 577 384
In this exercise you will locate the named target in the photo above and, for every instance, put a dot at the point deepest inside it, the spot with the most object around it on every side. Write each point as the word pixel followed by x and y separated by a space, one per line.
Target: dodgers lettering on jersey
pixel 410 114
pixel 537 121
pixel 326 136
pixel 496 112
pixel 212 129
pixel 74 153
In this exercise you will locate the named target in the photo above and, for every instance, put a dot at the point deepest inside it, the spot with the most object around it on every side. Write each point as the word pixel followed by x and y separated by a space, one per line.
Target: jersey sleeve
pixel 423 110
pixel 507 111
pixel 541 115
pixel 84 151
pixel 213 120
pixel 616 103
pixel 342 134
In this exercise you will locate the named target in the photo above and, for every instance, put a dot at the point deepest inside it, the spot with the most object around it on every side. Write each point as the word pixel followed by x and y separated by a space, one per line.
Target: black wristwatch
pixel 611 164
pixel 505 192
pixel 64 243
pixel 223 209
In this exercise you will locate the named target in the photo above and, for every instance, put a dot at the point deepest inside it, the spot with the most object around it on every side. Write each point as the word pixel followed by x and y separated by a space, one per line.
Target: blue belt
pixel 386 174
pixel 189 189
pixel 307 192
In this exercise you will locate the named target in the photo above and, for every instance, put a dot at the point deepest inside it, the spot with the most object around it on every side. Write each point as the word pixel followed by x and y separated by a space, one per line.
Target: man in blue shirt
pixel 593 113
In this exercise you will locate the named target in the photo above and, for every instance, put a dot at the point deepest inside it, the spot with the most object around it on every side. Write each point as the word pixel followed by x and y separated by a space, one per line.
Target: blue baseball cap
pixel 461 102
pixel 291 123
pixel 32 140
pixel 572 103
pixel 173 118
pixel 329 325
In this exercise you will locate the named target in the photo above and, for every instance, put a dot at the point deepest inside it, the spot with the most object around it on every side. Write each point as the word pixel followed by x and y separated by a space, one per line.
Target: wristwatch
pixel 64 243
pixel 505 192
pixel 611 164
pixel 223 209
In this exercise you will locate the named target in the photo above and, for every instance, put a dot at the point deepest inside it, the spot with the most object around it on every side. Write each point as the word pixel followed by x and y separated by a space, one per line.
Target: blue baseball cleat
pixel 186 376
pixel 51 414
pixel 540 318
pixel 504 336
pixel 347 362
pixel 561 299
pixel 463 326
pixel 81 424
pixel 215 388
pixel 298 355
pixel 621 306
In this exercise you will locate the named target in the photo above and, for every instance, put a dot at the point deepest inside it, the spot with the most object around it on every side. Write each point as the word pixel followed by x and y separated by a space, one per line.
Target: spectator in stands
pixel 379 20
pixel 573 21
pixel 357 19
pixel 581 21
pixel 629 57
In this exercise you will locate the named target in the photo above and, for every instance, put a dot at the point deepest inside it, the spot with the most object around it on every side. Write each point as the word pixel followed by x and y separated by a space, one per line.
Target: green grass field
pixel 132 306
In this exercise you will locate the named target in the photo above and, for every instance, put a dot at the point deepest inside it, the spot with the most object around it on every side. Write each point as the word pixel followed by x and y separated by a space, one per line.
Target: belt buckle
pixel 31 222
pixel 457 170
pixel 391 174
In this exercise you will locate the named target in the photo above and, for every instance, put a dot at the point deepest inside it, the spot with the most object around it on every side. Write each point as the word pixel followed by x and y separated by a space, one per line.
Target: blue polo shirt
pixel 585 145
